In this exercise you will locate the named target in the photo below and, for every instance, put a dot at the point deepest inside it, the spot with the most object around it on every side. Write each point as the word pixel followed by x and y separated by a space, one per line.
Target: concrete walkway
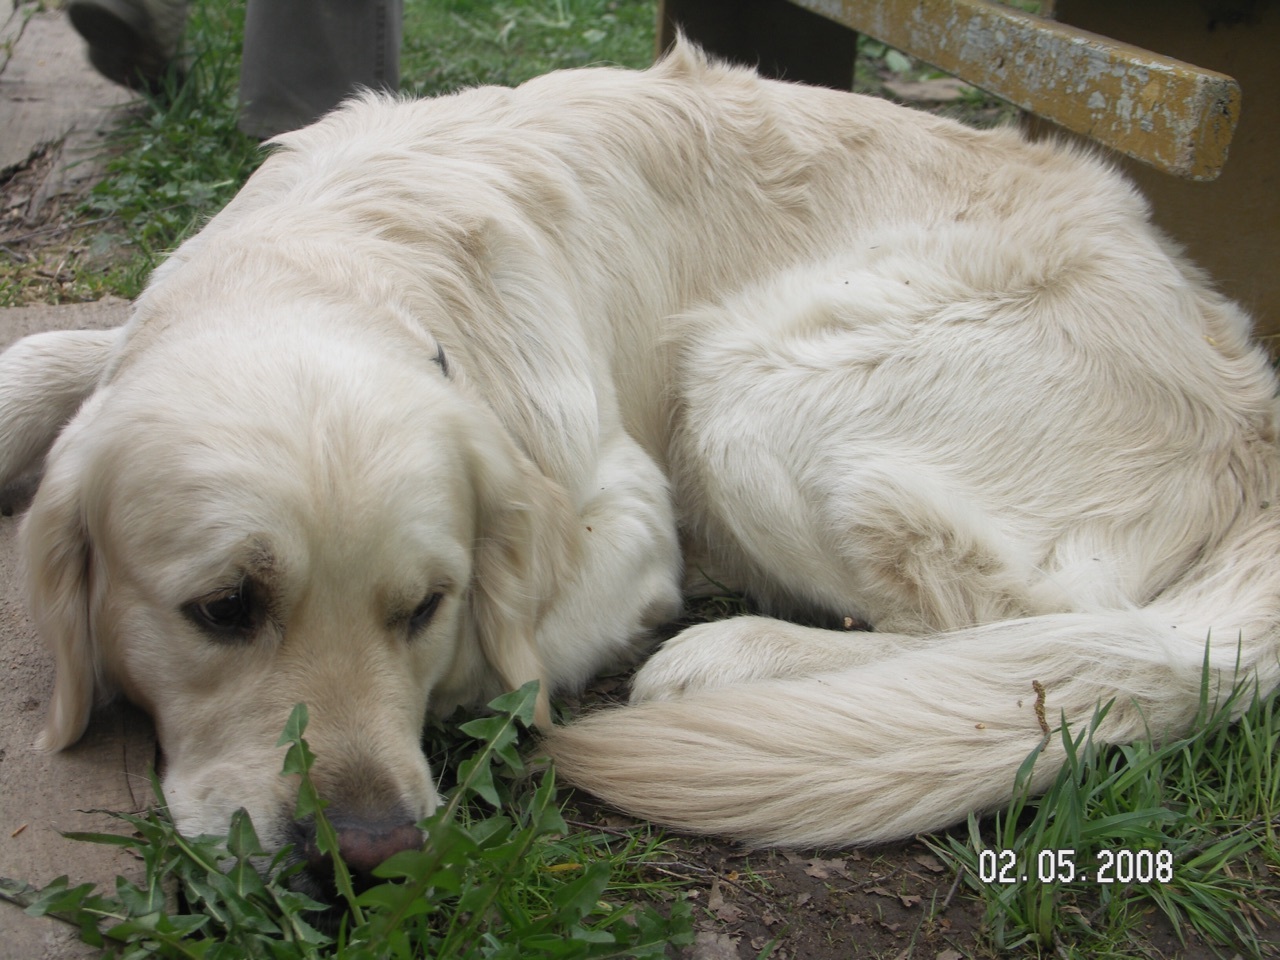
pixel 51 100
pixel 43 794
pixel 49 95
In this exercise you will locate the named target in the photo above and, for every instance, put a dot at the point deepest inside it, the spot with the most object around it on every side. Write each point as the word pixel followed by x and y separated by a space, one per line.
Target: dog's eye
pixel 423 613
pixel 229 615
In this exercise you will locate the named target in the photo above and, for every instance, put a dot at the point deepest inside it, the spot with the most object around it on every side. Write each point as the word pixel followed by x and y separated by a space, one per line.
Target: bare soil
pixel 895 902
pixel 49 253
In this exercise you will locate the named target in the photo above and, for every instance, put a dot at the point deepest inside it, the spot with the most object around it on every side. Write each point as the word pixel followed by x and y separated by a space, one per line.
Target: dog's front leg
pixel 627 577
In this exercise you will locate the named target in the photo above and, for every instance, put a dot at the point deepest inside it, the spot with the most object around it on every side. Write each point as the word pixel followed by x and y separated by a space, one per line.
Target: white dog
pixel 435 405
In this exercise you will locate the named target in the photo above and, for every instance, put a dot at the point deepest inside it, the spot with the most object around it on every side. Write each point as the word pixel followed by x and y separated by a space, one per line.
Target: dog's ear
pixel 523 548
pixel 55 541
pixel 44 378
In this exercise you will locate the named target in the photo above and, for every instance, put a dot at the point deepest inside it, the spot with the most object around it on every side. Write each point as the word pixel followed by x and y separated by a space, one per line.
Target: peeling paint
pixel 1167 113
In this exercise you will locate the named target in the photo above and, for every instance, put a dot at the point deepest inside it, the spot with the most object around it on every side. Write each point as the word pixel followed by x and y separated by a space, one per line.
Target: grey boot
pixel 131 42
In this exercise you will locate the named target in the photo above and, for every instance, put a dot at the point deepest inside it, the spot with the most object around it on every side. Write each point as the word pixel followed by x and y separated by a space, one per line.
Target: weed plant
pixel 498 878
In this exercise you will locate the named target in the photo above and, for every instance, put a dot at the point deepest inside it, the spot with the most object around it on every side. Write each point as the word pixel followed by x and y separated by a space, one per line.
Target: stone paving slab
pixel 49 94
pixel 42 794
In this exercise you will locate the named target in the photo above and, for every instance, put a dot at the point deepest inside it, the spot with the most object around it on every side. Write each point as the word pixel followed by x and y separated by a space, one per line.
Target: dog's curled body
pixel 437 400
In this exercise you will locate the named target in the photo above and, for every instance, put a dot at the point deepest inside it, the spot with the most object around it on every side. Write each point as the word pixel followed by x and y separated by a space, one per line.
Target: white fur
pixel 857 360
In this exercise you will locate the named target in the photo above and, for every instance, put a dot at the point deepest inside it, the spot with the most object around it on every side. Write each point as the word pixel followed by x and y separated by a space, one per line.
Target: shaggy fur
pixel 435 405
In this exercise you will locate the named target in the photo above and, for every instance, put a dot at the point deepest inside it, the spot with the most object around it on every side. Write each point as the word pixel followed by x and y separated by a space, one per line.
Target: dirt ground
pixel 48 252
pixel 893 902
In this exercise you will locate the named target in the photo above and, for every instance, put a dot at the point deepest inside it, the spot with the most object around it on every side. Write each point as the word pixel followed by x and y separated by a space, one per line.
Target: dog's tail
pixel 915 742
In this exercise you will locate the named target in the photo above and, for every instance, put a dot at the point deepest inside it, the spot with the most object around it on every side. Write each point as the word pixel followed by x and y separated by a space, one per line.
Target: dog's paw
pixel 709 655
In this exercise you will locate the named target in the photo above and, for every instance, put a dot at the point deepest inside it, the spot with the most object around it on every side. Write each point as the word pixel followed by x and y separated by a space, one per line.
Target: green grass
pixel 500 877
pixel 173 163
pixel 450 44
pixel 181 158
pixel 1188 827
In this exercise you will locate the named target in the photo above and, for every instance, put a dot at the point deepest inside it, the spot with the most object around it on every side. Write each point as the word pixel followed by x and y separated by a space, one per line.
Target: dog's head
pixel 244 517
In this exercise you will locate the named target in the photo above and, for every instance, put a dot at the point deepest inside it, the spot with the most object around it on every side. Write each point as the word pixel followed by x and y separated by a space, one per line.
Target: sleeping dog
pixel 455 394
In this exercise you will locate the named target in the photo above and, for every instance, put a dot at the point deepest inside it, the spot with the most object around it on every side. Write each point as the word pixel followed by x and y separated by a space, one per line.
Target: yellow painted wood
pixel 1167 113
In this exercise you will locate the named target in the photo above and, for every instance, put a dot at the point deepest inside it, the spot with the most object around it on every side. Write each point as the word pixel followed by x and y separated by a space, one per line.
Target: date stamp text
pixel 1061 866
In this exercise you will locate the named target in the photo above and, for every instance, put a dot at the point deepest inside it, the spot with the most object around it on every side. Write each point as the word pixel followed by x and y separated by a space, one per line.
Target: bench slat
pixel 1162 111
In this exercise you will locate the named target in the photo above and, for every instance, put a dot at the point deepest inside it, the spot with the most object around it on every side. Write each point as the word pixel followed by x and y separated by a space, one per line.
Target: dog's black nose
pixel 363 845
